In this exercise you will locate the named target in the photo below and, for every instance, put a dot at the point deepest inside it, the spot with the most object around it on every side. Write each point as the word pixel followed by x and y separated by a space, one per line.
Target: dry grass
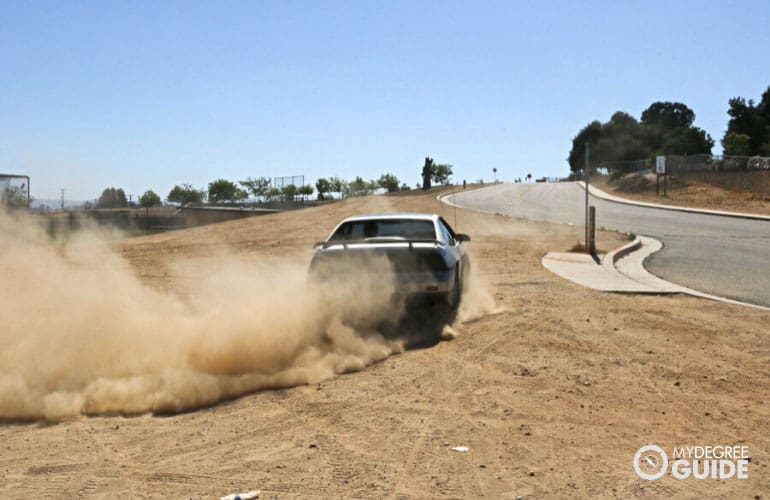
pixel 680 192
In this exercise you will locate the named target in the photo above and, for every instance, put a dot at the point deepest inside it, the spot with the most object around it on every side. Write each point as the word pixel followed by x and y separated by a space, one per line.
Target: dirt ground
pixel 693 194
pixel 552 393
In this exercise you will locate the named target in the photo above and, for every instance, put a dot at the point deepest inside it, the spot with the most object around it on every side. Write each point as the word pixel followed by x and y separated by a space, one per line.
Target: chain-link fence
pixel 736 173
pixel 295 180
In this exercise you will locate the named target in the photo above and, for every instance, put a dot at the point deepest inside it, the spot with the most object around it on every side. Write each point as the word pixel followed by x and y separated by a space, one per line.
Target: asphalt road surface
pixel 724 256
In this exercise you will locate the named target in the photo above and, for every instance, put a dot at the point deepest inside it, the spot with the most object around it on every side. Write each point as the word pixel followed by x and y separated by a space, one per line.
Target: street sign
pixel 660 165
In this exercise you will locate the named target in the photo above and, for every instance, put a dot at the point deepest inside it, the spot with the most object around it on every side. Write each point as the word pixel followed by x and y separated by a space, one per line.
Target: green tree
pixel 258 187
pixel 149 199
pixel 112 198
pixel 186 195
pixel 736 144
pixel 621 139
pixel 665 128
pixel 322 186
pixel 686 141
pixel 305 191
pixel 340 186
pixel 442 173
pixel 668 115
pixel 750 120
pixel 289 192
pixel 358 187
pixel 590 134
pixel 273 193
pixel 224 191
pixel 388 182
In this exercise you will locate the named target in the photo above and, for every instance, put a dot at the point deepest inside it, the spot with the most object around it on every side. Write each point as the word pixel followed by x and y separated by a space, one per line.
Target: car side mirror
pixel 462 237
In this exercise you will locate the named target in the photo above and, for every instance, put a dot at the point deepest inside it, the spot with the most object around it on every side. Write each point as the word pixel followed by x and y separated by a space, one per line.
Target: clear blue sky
pixel 147 95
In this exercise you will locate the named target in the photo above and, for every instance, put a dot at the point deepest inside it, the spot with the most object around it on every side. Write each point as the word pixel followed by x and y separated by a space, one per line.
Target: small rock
pixel 532 474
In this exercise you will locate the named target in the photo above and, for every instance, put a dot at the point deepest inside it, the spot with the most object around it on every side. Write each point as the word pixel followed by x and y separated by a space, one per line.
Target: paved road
pixel 724 256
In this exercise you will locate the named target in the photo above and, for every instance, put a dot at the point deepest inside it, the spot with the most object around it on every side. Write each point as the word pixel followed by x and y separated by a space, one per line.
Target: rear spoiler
pixel 326 244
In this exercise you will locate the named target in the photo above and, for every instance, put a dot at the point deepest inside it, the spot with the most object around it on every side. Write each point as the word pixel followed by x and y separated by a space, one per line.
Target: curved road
pixel 724 256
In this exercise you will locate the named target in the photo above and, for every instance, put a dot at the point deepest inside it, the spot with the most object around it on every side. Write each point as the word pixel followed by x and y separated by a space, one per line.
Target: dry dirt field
pixel 552 387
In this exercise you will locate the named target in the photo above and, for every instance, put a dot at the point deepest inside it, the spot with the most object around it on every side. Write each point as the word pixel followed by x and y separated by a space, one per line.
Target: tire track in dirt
pixel 67 480
pixel 414 425
pixel 422 456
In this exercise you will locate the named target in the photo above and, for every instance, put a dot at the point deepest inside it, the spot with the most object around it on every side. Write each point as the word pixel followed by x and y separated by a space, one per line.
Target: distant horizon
pixel 149 95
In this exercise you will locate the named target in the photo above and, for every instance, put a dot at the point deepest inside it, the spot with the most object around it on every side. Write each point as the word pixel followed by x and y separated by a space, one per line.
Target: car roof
pixel 392 215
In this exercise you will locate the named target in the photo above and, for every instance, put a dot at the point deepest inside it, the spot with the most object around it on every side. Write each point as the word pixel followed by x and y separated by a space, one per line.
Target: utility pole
pixel 62 198
pixel 587 176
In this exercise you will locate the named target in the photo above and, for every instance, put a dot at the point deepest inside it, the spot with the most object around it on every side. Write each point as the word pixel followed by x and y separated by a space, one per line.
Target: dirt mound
pixel 635 183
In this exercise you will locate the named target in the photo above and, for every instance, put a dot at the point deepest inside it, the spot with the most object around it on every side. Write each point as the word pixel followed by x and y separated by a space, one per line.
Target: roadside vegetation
pixel 623 155
pixel 663 128
pixel 261 190
pixel 667 128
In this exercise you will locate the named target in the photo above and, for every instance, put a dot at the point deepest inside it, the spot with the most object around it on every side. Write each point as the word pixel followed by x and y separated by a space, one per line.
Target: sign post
pixel 660 169
pixel 587 176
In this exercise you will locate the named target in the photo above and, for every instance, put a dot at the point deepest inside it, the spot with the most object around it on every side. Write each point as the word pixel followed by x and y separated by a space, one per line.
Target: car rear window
pixel 405 228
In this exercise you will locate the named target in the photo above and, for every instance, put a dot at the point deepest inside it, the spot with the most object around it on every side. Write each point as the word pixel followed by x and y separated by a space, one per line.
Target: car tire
pixel 454 295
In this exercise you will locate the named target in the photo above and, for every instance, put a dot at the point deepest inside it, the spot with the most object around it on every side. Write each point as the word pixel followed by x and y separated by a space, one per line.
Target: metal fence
pixel 685 164
pixel 281 182
pixel 737 173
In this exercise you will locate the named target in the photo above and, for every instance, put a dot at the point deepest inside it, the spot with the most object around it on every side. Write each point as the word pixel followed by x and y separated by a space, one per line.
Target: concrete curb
pixel 639 274
pixel 441 196
pixel 598 193
pixel 612 257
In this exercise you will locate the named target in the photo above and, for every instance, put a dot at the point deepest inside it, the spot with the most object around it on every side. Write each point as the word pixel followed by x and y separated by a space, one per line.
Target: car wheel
pixel 455 291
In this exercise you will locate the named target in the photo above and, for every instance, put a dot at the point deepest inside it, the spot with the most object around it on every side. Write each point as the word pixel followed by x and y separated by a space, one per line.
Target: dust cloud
pixel 80 334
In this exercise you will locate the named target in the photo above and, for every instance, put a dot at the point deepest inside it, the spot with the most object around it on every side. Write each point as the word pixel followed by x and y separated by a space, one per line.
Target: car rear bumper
pixel 412 283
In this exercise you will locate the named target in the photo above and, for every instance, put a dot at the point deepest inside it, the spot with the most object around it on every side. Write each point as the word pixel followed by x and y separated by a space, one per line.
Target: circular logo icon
pixel 650 462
